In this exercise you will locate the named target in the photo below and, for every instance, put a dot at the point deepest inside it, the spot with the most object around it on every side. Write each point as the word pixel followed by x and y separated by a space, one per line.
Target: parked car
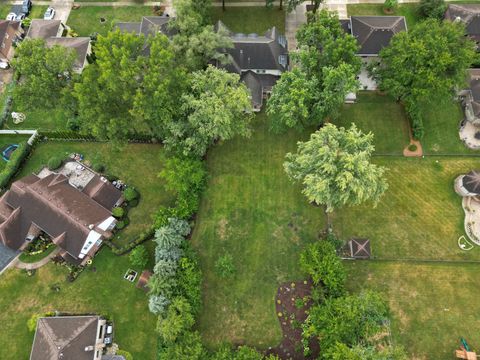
pixel 20 9
pixel 49 14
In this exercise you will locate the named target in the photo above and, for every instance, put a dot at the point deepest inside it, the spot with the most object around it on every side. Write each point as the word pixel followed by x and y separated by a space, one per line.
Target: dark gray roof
pixel 79 44
pixel 6 256
pixel 254 51
pixel 149 25
pixel 257 84
pixel 43 29
pixel 375 32
pixel 474 88
pixel 345 24
pixel 69 335
pixel 471 182
pixel 468 14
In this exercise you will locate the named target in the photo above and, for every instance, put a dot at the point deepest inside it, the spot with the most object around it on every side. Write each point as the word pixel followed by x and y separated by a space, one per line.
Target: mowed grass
pixel 86 20
pixel 137 165
pixel 419 217
pixel 410 11
pixel 103 292
pixel 39 119
pixel 252 19
pixel 251 211
pixel 380 115
pixel 432 305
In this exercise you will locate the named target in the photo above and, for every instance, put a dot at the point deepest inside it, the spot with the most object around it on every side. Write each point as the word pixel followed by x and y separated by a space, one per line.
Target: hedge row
pixel 12 167
pixel 7 108
pixel 69 135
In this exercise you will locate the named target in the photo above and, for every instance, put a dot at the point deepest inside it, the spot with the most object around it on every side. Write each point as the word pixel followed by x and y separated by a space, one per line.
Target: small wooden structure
pixel 359 248
pixel 464 354
pixel 143 281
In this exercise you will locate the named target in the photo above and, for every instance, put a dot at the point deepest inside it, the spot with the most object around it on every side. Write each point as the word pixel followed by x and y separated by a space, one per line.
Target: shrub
pixel 118 212
pixel 224 266
pixel 125 354
pixel 73 124
pixel 98 167
pixel 133 203
pixel 412 147
pixel 120 225
pixel 320 261
pixel 390 5
pixel 432 8
pixel 139 256
pixel 130 194
pixel 54 163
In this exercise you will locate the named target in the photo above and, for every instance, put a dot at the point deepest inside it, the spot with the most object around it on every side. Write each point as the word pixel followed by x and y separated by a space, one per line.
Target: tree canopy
pixel 46 73
pixel 334 168
pixel 439 52
pixel 133 87
pixel 325 70
pixel 215 108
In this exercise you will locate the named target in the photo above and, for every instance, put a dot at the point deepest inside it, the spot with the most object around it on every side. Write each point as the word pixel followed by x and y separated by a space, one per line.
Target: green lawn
pixel 250 19
pixel 407 10
pixel 420 216
pixel 383 117
pixel 253 212
pixel 101 292
pixel 433 305
pixel 39 119
pixel 86 20
pixel 136 164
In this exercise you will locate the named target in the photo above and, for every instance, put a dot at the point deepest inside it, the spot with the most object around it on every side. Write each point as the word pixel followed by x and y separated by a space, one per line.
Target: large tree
pixel 350 320
pixel 46 74
pixel 334 168
pixel 197 42
pixel 128 91
pixel 427 62
pixel 325 70
pixel 215 108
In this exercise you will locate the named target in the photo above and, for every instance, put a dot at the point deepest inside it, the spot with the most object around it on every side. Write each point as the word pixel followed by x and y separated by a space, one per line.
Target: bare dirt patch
pixel 292 303
pixel 222 229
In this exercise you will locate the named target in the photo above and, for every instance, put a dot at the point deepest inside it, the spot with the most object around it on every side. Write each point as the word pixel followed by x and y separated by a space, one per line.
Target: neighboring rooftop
pixel 471 182
pixel 149 25
pixel 66 337
pixel 81 45
pixel 256 52
pixel 373 33
pixel 44 29
pixel 469 14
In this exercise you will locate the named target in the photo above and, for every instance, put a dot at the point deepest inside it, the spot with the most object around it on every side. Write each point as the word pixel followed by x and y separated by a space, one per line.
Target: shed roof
pixel 79 44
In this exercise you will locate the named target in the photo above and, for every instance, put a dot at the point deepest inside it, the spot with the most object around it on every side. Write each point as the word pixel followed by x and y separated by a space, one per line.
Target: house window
pixel 282 59
pixel 6 36
pixel 282 40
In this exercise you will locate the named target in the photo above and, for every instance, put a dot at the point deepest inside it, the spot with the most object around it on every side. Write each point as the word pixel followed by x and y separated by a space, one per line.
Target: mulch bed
pixel 291 315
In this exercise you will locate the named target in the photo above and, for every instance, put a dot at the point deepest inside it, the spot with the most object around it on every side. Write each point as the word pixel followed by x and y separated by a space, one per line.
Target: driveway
pixel 62 9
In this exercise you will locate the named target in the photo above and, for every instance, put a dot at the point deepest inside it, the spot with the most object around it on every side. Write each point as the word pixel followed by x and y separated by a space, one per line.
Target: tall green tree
pixel 320 261
pixel 350 320
pixel 216 108
pixel 46 74
pixel 439 52
pixel 196 42
pixel 128 91
pixel 325 70
pixel 334 168
pixel 176 320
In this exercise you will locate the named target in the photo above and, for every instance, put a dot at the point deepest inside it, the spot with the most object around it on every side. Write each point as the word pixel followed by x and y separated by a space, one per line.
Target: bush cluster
pixel 13 165
pixel 54 163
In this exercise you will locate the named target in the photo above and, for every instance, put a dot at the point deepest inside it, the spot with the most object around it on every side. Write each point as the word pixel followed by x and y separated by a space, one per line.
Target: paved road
pixel 293 21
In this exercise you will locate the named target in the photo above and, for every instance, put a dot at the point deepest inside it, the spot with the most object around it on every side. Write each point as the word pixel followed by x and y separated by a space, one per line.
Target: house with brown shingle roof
pixel 77 220
pixel 69 338
pixel 43 29
pixel 10 33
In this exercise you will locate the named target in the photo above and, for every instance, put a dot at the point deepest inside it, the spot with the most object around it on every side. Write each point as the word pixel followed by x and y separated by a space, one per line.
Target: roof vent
pixel 89 348
pixel 91 226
